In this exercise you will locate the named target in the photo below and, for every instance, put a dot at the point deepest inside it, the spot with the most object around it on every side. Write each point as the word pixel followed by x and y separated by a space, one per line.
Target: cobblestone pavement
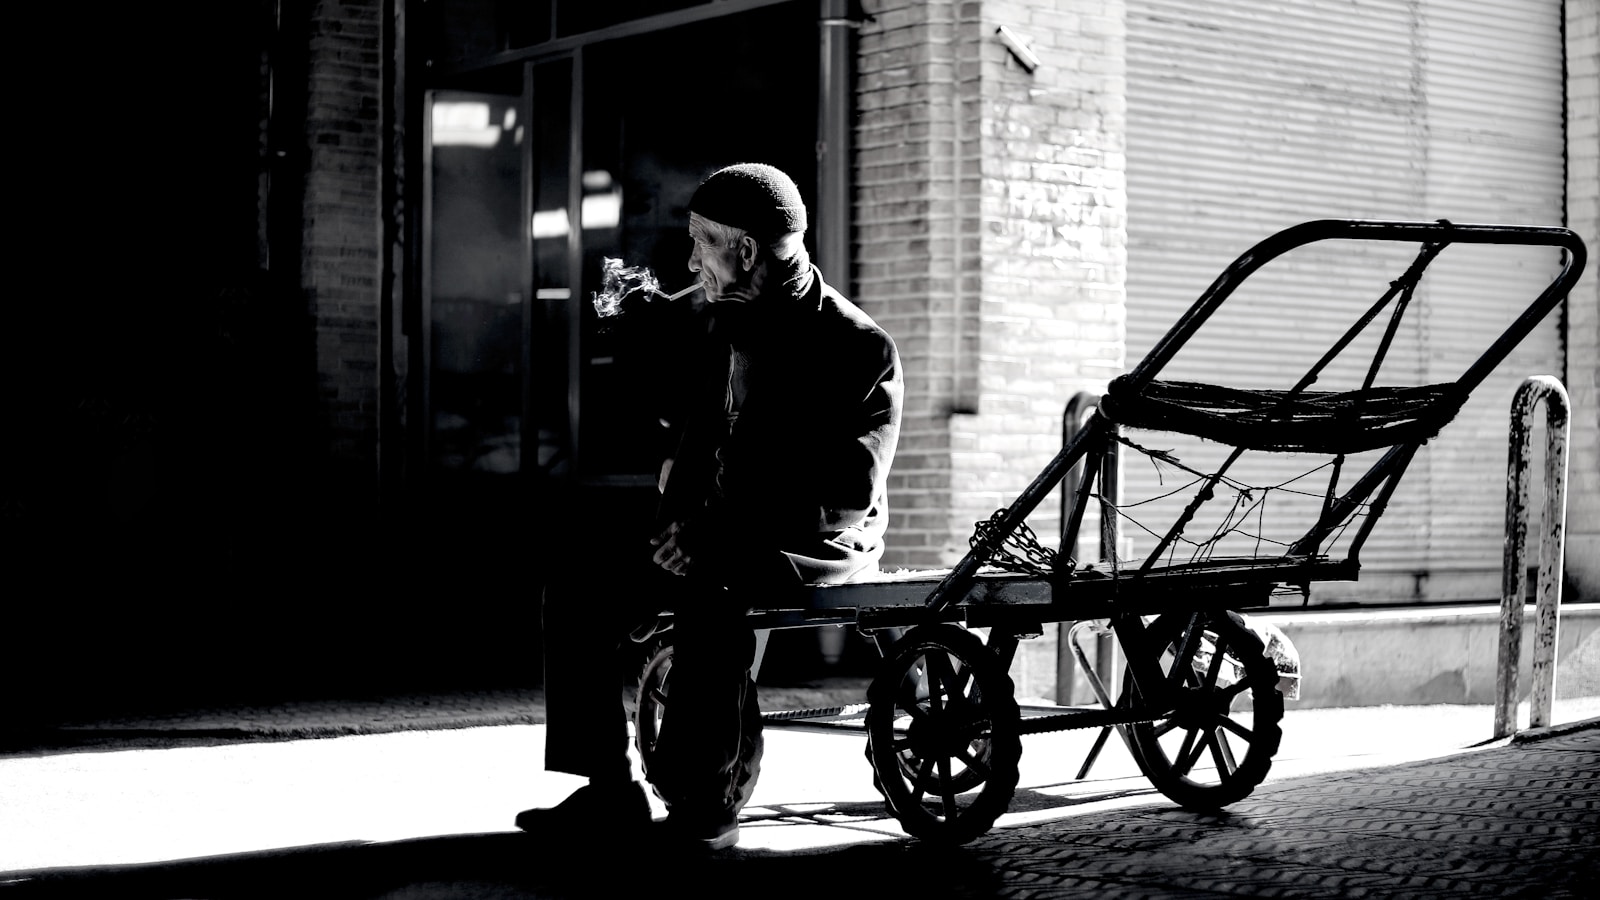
pixel 1521 820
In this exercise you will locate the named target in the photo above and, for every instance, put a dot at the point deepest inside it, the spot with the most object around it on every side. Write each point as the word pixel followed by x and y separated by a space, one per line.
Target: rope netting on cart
pixel 1021 550
pixel 1329 425
pixel 1245 515
pixel 1285 421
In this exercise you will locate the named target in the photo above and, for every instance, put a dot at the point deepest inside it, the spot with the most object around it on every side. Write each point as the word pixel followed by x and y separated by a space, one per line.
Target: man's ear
pixel 749 250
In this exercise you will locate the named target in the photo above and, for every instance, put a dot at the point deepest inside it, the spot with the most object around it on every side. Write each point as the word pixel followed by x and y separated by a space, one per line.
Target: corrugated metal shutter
pixel 1245 119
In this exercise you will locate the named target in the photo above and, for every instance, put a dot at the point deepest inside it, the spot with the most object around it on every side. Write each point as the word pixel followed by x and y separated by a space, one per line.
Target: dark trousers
pixel 708 754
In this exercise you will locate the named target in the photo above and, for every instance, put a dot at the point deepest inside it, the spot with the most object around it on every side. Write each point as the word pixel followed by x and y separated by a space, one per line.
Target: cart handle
pixel 1441 232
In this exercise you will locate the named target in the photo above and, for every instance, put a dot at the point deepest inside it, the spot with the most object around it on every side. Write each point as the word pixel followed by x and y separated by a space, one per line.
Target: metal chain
pixel 1019 551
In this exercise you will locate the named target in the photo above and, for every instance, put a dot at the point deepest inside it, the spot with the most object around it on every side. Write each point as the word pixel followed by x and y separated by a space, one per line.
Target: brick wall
pixel 1583 307
pixel 905 216
pixel 339 267
pixel 1054 240
pixel 991 244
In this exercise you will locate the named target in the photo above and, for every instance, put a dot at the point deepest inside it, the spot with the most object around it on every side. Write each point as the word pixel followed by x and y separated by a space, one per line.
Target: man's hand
pixel 670 553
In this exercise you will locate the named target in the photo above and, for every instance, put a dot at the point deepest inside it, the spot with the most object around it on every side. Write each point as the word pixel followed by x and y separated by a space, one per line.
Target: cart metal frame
pixel 1199 705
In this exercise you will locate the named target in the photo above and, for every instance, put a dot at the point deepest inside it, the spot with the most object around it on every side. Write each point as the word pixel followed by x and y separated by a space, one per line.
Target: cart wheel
pixel 1218 743
pixel 965 778
pixel 649 704
pixel 650 700
pixel 941 724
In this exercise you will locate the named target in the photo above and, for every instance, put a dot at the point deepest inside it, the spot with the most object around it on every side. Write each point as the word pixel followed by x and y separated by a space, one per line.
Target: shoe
pixel 603 807
pixel 703 832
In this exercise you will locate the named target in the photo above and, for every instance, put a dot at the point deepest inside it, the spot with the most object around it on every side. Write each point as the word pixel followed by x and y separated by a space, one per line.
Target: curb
pixel 1532 735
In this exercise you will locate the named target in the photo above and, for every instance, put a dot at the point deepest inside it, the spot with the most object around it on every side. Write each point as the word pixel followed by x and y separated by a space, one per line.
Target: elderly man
pixel 778 480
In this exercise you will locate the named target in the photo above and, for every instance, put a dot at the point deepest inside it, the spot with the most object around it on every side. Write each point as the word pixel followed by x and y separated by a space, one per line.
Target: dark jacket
pixel 801 466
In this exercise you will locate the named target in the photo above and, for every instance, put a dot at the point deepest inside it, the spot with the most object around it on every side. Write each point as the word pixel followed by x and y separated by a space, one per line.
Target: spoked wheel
pixel 942 734
pixel 964 778
pixel 1219 741
pixel 650 701
pixel 649 707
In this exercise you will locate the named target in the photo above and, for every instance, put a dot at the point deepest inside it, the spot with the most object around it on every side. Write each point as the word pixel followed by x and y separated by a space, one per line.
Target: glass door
pixel 497 299
pixel 476 281
pixel 539 172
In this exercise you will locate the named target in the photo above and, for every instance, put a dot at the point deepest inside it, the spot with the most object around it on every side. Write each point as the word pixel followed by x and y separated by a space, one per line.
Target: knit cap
pixel 754 197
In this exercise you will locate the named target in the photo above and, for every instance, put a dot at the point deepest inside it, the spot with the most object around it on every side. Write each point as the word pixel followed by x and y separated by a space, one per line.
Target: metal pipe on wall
pixel 835 109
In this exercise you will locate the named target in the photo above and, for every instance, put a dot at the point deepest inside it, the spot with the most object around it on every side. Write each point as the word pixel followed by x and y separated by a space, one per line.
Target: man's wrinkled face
pixel 723 265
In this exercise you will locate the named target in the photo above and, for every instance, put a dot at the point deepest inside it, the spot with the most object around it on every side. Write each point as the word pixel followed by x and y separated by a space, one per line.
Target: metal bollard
pixel 1552 541
pixel 1078 410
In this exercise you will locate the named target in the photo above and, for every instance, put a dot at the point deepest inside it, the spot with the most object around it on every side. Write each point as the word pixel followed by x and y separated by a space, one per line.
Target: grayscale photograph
pixel 559 449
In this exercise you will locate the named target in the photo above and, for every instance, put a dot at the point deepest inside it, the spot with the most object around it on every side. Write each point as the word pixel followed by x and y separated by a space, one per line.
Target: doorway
pixel 591 154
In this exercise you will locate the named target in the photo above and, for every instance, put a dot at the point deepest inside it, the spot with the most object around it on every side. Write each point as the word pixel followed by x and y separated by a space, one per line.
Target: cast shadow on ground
pixel 514 866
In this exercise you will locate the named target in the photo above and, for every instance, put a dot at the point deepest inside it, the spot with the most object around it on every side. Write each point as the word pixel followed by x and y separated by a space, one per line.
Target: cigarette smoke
pixel 618 281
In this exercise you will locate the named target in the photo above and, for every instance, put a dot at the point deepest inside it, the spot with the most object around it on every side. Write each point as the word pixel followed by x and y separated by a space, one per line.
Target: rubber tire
pixel 987 727
pixel 649 705
pixel 1152 741
pixel 649 696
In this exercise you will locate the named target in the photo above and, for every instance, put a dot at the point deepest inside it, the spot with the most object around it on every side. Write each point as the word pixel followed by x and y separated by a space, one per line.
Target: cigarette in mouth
pixel 690 289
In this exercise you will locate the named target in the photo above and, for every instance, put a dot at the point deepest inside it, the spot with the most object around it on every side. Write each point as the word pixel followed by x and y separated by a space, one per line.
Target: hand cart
pixel 1200 705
